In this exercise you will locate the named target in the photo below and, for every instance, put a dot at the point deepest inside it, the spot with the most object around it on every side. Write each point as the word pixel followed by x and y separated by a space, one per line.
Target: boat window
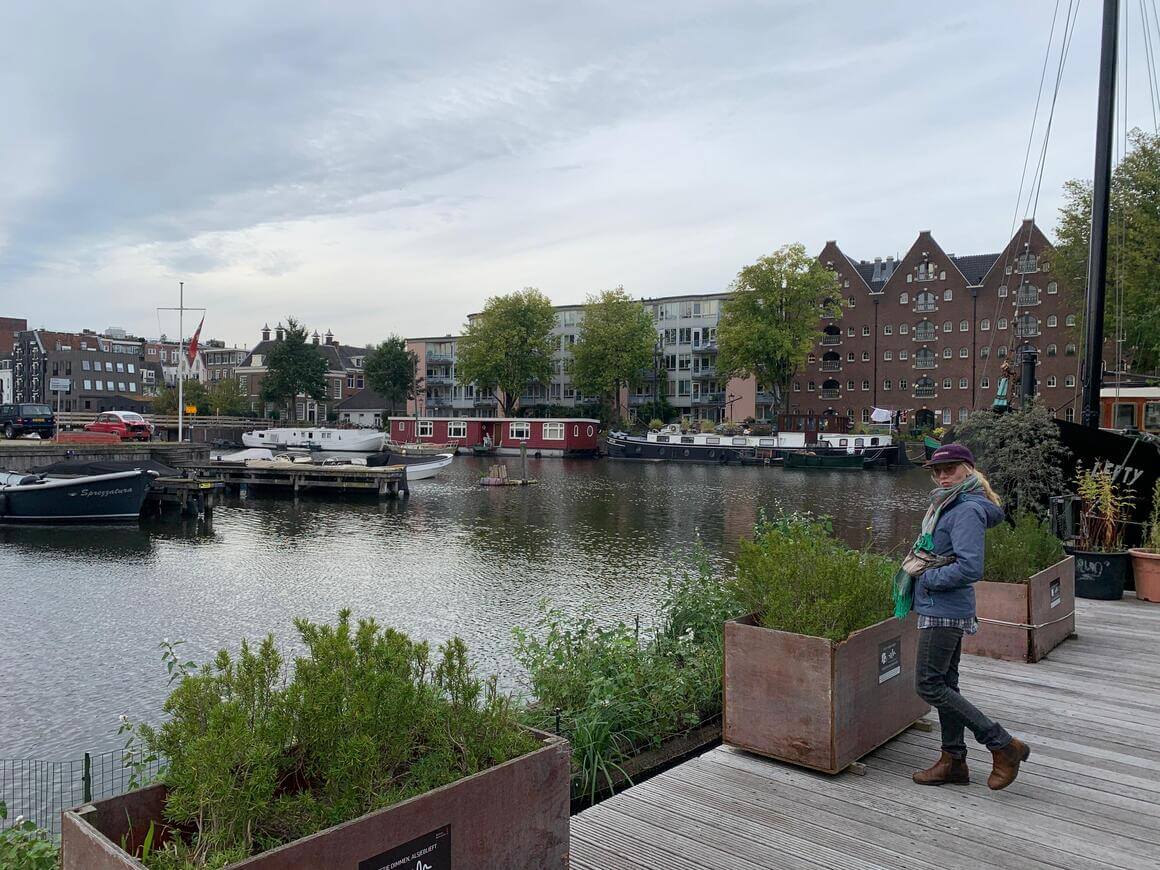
pixel 740 442
pixel 766 442
pixel 663 438
pixel 687 439
pixel 858 442
pixel 873 442
pixel 712 440
pixel 842 442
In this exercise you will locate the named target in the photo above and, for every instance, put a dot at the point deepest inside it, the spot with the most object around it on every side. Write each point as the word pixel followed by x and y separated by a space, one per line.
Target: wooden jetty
pixel 190 496
pixel 1088 798
pixel 389 480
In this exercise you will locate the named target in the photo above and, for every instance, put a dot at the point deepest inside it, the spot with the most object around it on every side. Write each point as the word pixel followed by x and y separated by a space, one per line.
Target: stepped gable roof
pixel 975 266
pixel 363 400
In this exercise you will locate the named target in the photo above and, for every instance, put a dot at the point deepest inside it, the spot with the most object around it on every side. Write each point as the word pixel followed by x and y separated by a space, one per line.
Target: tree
pixel 1133 249
pixel 614 348
pixel 294 367
pixel 193 392
pixel 225 398
pixel 508 345
pixel 391 371
pixel 770 320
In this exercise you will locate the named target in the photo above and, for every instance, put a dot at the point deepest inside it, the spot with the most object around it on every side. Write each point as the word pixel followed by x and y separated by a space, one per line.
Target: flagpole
pixel 180 360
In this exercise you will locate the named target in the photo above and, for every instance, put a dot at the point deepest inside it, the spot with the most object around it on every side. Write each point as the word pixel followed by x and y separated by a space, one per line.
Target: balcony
pixel 637 401
pixel 440 380
pixel 830 340
pixel 485 401
pixel 831 365
pixel 830 394
pixel 705 374
pixel 923 307
pixel 1026 298
pixel 925 335
pixel 707 347
pixel 709 399
pixel 1027 330
pixel 766 398
pixel 439 357
pixel 925 363
pixel 924 392
pixel 438 401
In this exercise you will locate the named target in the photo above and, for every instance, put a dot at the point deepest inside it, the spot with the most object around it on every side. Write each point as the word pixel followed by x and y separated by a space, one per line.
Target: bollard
pixel 87 778
pixel 523 460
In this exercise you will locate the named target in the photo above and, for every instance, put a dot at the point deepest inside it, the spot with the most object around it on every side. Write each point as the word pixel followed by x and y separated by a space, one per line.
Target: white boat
pixel 423 470
pixel 316 438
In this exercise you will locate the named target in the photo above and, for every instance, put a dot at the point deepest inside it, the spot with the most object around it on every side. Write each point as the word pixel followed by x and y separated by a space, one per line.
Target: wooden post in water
pixel 523 460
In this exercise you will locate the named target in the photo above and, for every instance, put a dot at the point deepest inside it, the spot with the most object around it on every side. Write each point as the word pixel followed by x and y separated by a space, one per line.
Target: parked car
pixel 25 418
pixel 127 425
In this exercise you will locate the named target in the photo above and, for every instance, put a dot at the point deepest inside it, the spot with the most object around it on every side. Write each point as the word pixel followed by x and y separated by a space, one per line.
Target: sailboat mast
pixel 1101 190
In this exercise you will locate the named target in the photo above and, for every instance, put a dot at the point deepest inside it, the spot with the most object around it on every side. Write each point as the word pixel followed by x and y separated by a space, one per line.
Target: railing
pixel 926 306
pixel 831 339
pixel 832 365
pixel 1027 331
pixel 440 380
pixel 439 357
pixel 482 401
pixel 438 401
pixel 765 398
pixel 705 374
pixel 77 419
pixel 709 399
pixel 639 400
pixel 706 347
pixel 830 394
pixel 924 363
pixel 924 392
pixel 1024 298
pixel 925 335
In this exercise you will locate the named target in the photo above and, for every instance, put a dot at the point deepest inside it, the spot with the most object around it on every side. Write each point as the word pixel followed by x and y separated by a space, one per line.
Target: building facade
pixel 104 374
pixel 221 362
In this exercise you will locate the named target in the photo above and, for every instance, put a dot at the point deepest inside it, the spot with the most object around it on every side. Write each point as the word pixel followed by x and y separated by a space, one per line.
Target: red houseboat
pixel 556 436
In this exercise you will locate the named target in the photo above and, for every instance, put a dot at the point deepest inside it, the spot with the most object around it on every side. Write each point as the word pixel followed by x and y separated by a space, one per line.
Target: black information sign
pixel 1056 593
pixel 889 659
pixel 429 852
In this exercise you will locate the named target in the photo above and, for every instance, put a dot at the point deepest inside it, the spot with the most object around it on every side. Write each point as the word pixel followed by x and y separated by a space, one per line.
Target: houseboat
pixel 316 438
pixel 556 436
pixel 812 434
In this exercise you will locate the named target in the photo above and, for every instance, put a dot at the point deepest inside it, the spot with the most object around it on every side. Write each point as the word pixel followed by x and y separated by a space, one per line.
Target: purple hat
pixel 950 453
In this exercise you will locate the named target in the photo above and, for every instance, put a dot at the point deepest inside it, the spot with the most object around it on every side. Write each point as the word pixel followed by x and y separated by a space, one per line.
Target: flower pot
pixel 1023 622
pixel 515 814
pixel 1146 568
pixel 816 702
pixel 1100 575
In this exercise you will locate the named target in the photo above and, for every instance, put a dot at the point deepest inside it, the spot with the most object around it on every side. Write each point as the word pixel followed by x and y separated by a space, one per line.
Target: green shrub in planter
pixel 1016 552
pixel 797 577
pixel 368 718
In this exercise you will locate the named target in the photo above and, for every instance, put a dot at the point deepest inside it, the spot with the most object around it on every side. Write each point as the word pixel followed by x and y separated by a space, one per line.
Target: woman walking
pixel 947 559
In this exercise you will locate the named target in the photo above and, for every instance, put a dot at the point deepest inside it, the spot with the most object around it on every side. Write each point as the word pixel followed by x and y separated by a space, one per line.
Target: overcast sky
pixel 384 167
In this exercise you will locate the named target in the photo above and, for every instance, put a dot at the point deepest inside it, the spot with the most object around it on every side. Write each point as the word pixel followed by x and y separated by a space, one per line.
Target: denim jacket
pixel 947 591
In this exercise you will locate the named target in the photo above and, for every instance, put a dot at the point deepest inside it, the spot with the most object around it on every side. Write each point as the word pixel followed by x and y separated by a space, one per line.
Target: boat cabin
pixel 554 436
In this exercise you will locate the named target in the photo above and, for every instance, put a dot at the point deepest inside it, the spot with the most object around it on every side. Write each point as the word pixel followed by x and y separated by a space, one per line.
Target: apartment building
pixel 221 362
pixel 104 374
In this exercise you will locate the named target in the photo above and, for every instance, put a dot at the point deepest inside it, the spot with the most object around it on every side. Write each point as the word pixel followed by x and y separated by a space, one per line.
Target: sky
pixel 384 167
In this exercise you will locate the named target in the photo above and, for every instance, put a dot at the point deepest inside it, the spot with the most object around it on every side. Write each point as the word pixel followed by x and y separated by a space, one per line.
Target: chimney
pixel 315 337
pixel 330 338
pixel 265 332
pixel 279 332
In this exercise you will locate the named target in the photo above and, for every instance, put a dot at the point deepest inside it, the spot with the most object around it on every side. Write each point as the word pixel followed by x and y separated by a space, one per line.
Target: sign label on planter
pixel 1056 593
pixel 432 851
pixel 889 660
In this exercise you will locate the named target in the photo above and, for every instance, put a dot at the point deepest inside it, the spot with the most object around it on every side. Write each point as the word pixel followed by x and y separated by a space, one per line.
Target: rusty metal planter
pixel 1023 622
pixel 815 702
pixel 515 814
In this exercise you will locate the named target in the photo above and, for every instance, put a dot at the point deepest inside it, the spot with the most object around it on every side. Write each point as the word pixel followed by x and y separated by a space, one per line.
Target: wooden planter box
pixel 1023 622
pixel 513 815
pixel 815 702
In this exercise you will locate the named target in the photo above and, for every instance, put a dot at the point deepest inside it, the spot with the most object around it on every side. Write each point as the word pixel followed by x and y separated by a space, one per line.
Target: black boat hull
pixel 639 449
pixel 104 498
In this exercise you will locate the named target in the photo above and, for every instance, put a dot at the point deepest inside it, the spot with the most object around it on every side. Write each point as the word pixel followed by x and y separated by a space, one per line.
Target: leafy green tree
pixel 226 398
pixel 614 347
pixel 294 367
pixel 193 391
pixel 391 371
pixel 508 345
pixel 770 320
pixel 1133 251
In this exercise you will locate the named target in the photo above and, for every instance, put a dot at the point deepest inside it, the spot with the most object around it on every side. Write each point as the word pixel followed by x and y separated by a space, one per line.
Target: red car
pixel 124 424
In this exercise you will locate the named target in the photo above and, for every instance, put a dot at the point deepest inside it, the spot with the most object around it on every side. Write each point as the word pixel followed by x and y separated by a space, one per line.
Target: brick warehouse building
pixel 930 333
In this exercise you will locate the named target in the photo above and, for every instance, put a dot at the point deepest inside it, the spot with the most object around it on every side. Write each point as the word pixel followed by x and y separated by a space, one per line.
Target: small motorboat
pixel 91 498
pixel 483 450
pixel 419 449
pixel 433 465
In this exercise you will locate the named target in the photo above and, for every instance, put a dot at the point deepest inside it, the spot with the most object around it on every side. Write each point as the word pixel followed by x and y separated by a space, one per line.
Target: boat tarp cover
pixel 77 468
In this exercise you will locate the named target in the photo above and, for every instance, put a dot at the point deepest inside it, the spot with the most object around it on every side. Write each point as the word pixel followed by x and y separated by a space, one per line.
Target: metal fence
pixel 42 790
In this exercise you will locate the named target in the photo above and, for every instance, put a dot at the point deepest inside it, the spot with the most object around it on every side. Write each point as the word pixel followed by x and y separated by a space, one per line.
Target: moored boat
pixel 92 498
pixel 316 438
pixel 826 461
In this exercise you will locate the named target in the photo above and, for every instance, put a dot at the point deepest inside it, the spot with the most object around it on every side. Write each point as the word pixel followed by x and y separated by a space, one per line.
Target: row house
pixel 104 374
pixel 221 362
pixel 344 375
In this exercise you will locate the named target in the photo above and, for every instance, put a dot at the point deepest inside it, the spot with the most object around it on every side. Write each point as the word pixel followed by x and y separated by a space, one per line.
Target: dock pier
pixel 191 497
pixel 385 480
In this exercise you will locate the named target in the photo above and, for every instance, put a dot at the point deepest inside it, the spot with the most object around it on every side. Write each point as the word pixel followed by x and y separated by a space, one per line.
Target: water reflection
pixel 85 608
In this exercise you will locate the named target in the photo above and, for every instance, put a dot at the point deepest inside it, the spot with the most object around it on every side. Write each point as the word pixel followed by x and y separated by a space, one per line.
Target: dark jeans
pixel 936 679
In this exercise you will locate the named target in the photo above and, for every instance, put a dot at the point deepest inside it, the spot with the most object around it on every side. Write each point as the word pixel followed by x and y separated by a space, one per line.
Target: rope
pixel 1067 615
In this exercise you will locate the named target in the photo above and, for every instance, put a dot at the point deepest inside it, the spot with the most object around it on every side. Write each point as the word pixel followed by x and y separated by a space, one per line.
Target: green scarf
pixel 903 586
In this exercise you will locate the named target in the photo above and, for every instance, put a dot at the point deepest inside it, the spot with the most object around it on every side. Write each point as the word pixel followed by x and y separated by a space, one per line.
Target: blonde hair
pixel 987 490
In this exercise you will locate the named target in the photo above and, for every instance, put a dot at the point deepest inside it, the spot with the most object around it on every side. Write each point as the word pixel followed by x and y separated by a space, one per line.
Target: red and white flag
pixel 191 351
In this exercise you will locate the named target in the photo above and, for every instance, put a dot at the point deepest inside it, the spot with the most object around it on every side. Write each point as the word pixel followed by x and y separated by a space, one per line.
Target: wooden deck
pixel 1089 797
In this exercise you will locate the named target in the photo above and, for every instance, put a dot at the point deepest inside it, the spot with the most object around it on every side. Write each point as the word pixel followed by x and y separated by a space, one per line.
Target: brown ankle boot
pixel 1007 761
pixel 948 770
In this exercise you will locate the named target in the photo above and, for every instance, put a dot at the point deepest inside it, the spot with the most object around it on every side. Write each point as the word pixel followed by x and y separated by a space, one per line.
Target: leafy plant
pixel 797 577
pixel 655 424
pixel 707 426
pixel 1104 511
pixel 1152 541
pixel 24 846
pixel 1017 551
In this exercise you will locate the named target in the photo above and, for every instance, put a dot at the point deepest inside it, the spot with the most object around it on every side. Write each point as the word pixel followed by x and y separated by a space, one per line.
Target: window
pixel 850 356
pixel 88 385
pixel 985 325
pixel 904 329
pixel 121 367
pixel 810 387
pixel 1069 381
pixel 865 356
pixel 426 429
pixel 964 353
pixel 865 419
pixel 100 385
pixel 962 383
pixel 924 387
pixel 984 352
pixel 108 366
pixel 903 354
pixel 849 385
pixel 865 330
pixel 86 365
pixel 1069 415
pixel 888 355
pixel 964 326
pixel 948 353
pixel 456 430
pixel 850 331
pixel 1051 350
pixel 886 385
pixel 1069 320
pixel 797 386
pixel 850 300
pixel 132 387
pixel 1051 381
pixel 924 359
pixel 1052 320
pixel 865 386
pixel 1069 350
pixel 132 368
pixel 1003 289
pixel 984 383
pixel 520 431
pixel 121 386
pixel 888 329
pixel 924 331
pixel 948 326
pixel 904 298
pixel 902 383
pixel 925 301
pixel 1052 288
pixel 947 294
pixel 1002 352
pixel 553 431
pixel 947 383
pixel 1002 323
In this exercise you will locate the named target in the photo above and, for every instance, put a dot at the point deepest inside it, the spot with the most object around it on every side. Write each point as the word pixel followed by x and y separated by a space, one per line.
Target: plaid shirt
pixel 967 626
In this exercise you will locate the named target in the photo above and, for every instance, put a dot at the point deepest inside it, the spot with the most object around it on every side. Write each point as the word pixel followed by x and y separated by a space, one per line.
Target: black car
pixel 25 417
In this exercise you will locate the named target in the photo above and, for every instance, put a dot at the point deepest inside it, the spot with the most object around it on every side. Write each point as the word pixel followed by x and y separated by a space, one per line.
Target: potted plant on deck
pixel 1101 560
pixel 374 753
pixel 819 673
pixel 1026 603
pixel 1146 558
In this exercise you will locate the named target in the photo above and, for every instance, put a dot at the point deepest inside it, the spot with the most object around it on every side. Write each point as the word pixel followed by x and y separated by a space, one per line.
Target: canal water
pixel 82 610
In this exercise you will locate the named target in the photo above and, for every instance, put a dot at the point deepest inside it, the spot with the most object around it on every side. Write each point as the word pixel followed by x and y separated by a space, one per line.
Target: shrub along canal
pixel 84 609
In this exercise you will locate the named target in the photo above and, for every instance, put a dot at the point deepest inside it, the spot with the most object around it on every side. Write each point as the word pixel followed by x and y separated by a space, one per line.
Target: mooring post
pixel 87 778
pixel 523 460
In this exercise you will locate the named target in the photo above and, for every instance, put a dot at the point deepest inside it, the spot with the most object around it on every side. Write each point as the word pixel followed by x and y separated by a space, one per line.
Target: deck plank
pixel 1088 798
